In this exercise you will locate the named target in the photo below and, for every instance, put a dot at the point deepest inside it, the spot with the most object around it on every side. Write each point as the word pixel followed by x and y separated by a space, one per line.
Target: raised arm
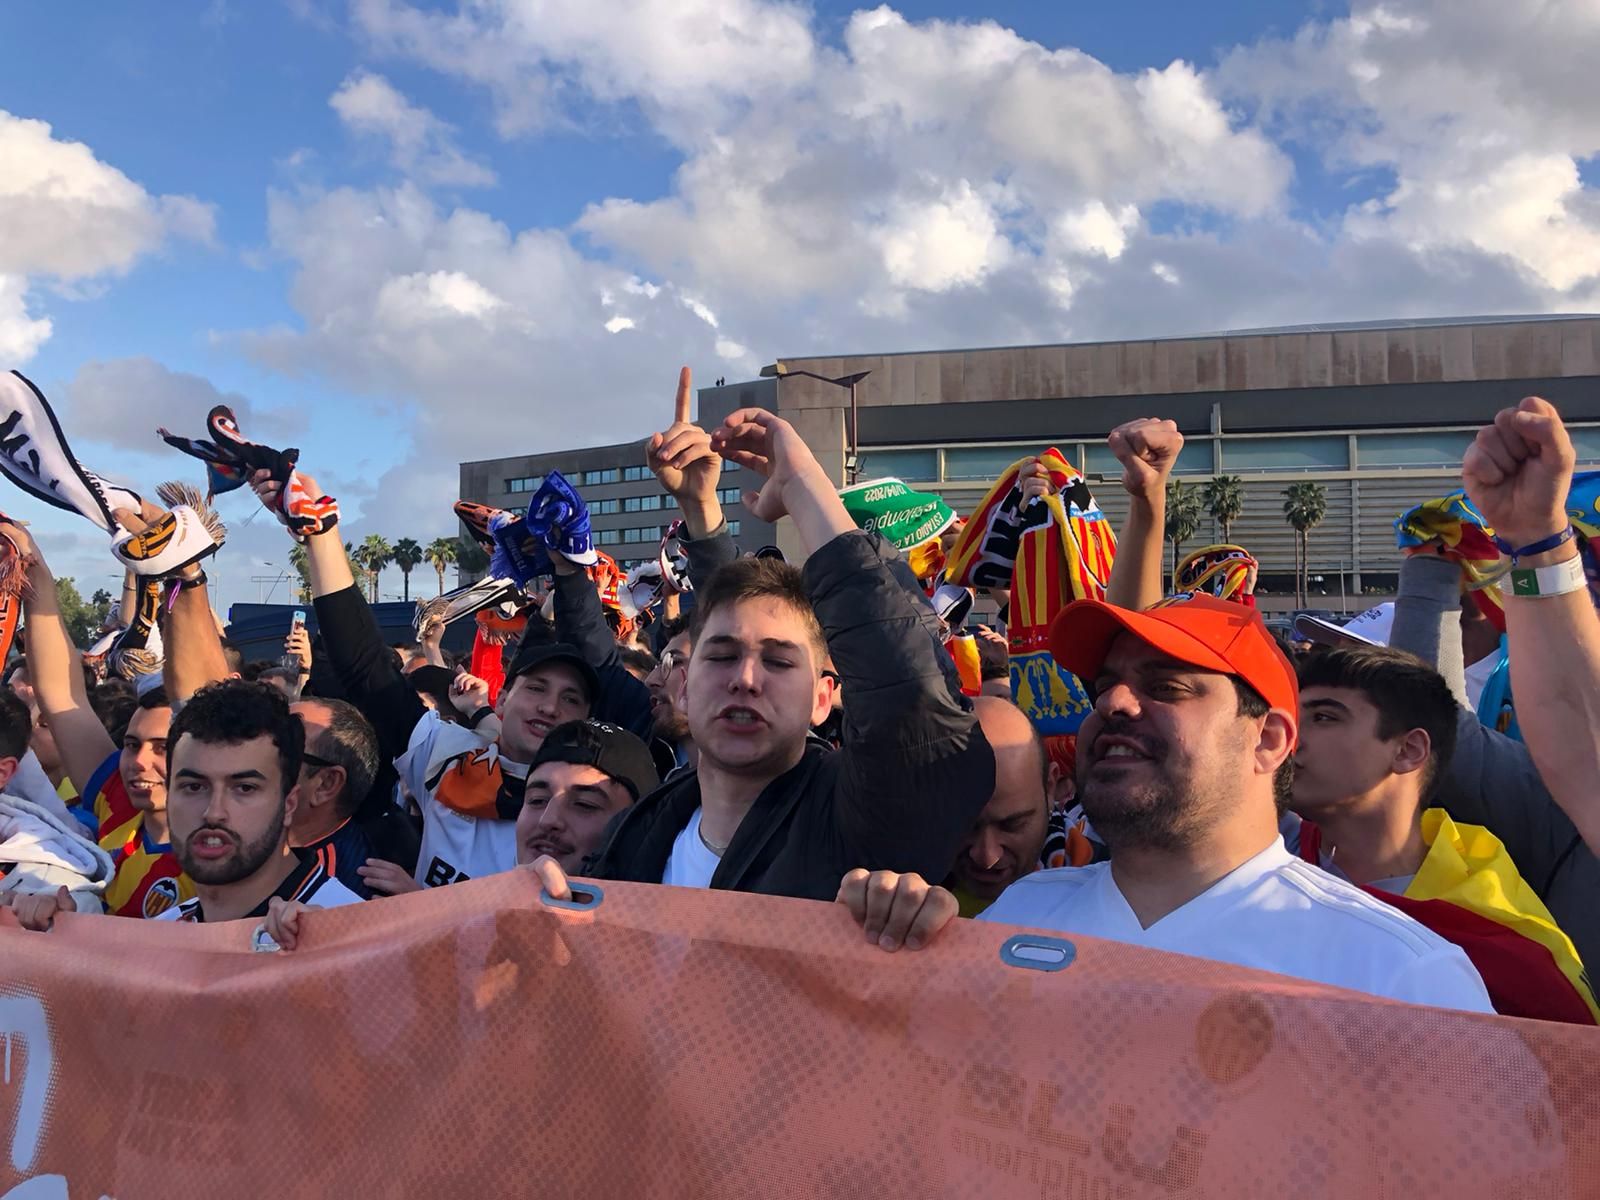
pixel 191 645
pixel 689 471
pixel 355 648
pixel 57 677
pixel 1147 448
pixel 916 769
pixel 1518 472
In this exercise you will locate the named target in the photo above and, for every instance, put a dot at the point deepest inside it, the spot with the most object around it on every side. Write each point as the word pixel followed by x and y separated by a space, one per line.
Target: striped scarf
pixel 1049 554
pixel 1452 527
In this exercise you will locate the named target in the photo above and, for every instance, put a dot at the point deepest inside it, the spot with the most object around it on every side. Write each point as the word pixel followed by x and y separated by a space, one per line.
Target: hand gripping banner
pixel 673 1042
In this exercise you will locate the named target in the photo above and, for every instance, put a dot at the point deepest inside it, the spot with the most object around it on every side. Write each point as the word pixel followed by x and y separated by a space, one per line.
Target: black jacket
pixel 913 775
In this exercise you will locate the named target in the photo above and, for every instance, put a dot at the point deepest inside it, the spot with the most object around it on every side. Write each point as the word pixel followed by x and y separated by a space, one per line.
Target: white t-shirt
pixel 1477 675
pixel 456 846
pixel 1274 913
pixel 691 863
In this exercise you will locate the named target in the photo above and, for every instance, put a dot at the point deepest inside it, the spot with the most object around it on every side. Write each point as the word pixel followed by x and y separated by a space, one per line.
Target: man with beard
pixel 585 773
pixel 1184 764
pixel 668 725
pixel 124 787
pixel 234 756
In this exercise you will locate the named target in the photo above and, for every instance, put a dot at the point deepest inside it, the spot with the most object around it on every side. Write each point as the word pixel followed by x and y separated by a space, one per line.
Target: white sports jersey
pixel 466 769
pixel 307 883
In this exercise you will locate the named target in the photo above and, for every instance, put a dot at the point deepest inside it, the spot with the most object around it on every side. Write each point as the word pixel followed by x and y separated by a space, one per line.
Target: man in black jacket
pixel 769 809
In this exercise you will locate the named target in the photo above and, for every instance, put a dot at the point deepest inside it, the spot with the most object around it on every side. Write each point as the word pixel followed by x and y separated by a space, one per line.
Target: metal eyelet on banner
pixel 1038 952
pixel 585 897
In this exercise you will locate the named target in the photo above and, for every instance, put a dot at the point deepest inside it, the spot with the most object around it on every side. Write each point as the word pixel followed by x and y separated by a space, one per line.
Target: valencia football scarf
pixel 231 459
pixel 137 650
pixel 188 532
pixel 1469 892
pixel 1226 572
pixel 13 585
pixel 35 454
pixel 1049 553
pixel 1452 528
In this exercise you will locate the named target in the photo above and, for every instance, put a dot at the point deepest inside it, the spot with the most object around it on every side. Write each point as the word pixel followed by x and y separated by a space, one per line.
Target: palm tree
pixel 441 552
pixel 407 554
pixel 1183 519
pixel 372 556
pixel 302 567
pixel 1224 500
pixel 1304 506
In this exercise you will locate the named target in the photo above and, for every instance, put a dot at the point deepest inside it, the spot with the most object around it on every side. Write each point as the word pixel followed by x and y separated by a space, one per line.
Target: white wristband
pixel 1541 583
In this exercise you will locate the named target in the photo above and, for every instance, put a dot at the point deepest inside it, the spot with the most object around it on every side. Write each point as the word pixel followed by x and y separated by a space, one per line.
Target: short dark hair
pixel 235 711
pixel 639 660
pixel 1407 692
pixel 350 742
pixel 19 663
pixel 154 698
pixel 115 702
pixel 16 725
pixel 1254 705
pixel 756 579
pixel 670 629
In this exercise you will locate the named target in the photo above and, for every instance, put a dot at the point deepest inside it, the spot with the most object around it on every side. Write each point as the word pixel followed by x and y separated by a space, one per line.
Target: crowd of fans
pixel 1341 815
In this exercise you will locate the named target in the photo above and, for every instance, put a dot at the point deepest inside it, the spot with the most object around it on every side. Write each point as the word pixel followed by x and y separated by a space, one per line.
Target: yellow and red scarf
pixel 1049 554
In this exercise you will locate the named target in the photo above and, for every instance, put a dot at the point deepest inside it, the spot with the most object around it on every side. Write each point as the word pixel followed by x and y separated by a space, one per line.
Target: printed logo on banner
pixel 1059 1159
pixel 27 1086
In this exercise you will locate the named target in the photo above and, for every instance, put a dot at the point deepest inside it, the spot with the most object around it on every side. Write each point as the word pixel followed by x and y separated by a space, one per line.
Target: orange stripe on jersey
pixel 470 785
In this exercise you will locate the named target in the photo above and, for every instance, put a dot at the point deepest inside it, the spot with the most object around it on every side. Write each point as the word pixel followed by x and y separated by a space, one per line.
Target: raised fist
pixel 1519 470
pixel 1148 449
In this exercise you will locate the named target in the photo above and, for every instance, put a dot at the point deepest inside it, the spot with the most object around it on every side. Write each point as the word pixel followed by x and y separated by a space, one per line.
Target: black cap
pixel 536 654
pixel 608 748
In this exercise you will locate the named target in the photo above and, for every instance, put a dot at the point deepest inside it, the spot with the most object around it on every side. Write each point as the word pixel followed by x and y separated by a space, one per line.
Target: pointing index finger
pixel 680 413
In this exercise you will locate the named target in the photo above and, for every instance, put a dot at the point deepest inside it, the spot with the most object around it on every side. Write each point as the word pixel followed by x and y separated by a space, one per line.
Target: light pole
pixel 852 463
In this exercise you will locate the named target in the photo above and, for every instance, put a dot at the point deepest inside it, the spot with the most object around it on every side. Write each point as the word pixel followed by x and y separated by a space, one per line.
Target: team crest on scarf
pixel 1226 572
pixel 1049 553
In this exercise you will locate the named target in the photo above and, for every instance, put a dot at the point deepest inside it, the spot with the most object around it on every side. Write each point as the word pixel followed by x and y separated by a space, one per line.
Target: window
pixel 1193 459
pixel 605 507
pixel 635 474
pixel 1586 442
pixel 526 483
pixel 649 503
pixel 733 528
pixel 669 502
pixel 608 537
pixel 728 468
pixel 1329 453
pixel 632 503
pixel 635 535
pixel 604 475
pixel 1380 450
pixel 728 495
pixel 905 464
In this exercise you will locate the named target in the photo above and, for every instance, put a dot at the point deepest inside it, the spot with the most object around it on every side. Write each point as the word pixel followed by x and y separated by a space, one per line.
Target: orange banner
pixel 470 1041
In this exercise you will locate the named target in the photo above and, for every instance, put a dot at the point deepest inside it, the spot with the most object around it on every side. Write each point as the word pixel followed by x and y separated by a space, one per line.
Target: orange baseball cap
pixel 1215 635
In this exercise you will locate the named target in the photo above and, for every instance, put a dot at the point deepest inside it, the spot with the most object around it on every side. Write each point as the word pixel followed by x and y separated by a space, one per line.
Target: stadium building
pixel 1378 413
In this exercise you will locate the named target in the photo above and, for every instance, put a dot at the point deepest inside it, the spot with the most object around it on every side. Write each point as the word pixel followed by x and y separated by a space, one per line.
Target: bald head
pixel 1005 842
pixel 1013 737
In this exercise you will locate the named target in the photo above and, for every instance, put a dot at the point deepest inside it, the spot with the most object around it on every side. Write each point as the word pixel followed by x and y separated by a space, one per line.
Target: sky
pixel 400 235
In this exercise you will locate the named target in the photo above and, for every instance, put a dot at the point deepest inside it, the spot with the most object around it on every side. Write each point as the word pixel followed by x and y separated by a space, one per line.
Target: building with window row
pixel 1378 413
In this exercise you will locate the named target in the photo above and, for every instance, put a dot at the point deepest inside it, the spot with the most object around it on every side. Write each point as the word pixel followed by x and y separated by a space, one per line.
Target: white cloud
pixel 68 218
pixel 20 333
pixel 1480 112
pixel 910 184
pixel 420 144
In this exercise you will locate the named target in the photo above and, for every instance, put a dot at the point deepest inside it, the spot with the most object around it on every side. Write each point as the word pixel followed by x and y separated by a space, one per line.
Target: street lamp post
pixel 852 464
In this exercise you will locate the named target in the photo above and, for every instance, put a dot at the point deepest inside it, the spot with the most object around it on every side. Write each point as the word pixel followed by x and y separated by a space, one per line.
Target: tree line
pixel 1304 507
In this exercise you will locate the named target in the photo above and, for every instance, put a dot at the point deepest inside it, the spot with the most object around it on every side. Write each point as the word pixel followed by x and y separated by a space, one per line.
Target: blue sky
pixel 405 234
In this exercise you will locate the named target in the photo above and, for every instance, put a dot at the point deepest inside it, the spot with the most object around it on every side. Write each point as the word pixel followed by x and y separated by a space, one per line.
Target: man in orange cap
pixel 1183 767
